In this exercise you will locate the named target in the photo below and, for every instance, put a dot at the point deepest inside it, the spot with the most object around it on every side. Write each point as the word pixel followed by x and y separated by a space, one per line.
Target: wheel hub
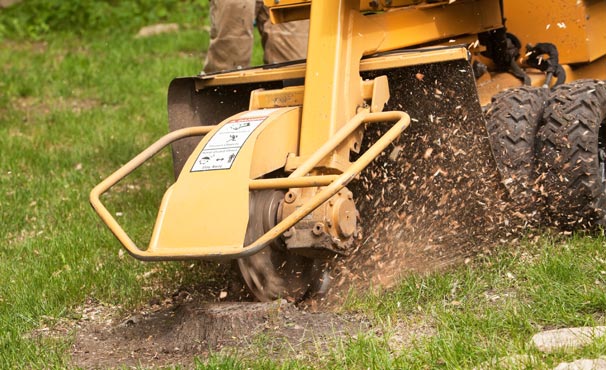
pixel 328 231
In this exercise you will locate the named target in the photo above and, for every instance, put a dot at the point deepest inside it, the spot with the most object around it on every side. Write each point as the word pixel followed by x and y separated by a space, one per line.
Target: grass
pixel 73 113
pixel 492 308
pixel 480 315
pixel 73 109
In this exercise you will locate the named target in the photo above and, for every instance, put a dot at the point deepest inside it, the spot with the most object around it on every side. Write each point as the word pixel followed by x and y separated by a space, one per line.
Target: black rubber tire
pixel 572 148
pixel 512 121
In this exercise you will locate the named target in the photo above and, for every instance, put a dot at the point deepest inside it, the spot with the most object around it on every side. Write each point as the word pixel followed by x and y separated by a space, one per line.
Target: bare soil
pixel 431 201
pixel 176 333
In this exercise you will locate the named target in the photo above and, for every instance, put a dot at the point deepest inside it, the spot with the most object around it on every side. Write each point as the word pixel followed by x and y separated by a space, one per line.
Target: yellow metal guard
pixel 298 178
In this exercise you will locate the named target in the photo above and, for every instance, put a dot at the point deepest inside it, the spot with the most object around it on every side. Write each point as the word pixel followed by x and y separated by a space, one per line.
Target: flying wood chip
pixel 440 199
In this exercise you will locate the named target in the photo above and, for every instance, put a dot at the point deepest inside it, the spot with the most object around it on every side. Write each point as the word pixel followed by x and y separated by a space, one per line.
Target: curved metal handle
pixel 127 169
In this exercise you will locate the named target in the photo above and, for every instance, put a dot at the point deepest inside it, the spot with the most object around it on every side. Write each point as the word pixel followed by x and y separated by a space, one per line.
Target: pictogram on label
pixel 222 149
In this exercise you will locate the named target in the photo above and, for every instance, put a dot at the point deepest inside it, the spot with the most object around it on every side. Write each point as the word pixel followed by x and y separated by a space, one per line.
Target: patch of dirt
pixel 37 47
pixel 404 333
pixel 33 106
pixel 176 333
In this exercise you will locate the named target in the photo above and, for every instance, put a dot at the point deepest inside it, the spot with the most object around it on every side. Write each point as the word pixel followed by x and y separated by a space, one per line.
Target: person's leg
pixel 231 34
pixel 281 42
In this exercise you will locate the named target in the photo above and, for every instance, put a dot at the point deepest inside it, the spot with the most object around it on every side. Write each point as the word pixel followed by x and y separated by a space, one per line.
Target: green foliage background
pixel 79 96
pixel 39 18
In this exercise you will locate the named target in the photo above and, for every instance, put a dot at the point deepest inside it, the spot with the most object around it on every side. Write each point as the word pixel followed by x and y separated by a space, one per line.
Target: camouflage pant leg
pixel 231 34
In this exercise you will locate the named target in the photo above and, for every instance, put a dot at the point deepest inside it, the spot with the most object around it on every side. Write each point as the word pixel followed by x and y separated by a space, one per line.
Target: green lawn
pixel 75 108
pixel 72 110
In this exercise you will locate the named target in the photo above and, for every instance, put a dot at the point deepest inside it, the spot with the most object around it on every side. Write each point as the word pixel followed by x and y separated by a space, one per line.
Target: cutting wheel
pixel 274 272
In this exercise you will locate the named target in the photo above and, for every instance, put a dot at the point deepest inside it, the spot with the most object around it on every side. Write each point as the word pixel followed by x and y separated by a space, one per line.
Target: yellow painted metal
pixel 313 128
pixel 128 168
pixel 331 96
pixel 289 10
pixel 491 85
pixel 376 91
pixel 342 35
pixel 577 28
pixel 275 143
pixel 403 58
pixel 193 221
pixel 366 5
pixel 206 211
pixel 274 3
pixel 259 74
pixel 286 97
pixel 413 26
pixel 595 70
pixel 297 182
pixel 334 93
pixel 181 231
pixel 402 121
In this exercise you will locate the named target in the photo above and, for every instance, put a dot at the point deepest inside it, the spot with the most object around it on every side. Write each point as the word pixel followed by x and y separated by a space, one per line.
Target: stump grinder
pixel 263 156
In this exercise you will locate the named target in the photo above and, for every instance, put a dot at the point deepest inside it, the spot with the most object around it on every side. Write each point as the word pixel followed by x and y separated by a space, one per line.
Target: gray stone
pixel 584 364
pixel 551 340
pixel 157 29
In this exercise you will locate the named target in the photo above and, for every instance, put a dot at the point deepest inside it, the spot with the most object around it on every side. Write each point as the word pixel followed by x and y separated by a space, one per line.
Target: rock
pixel 551 340
pixel 510 362
pixel 157 29
pixel 7 3
pixel 584 364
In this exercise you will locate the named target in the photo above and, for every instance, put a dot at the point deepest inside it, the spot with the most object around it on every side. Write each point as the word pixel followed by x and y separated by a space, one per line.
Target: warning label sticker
pixel 222 149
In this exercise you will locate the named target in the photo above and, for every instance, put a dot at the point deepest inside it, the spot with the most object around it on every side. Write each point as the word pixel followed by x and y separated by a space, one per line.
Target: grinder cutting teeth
pixel 274 272
pixel 297 265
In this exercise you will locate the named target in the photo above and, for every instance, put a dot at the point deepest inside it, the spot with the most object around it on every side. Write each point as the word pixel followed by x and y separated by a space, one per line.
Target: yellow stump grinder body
pixel 263 156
